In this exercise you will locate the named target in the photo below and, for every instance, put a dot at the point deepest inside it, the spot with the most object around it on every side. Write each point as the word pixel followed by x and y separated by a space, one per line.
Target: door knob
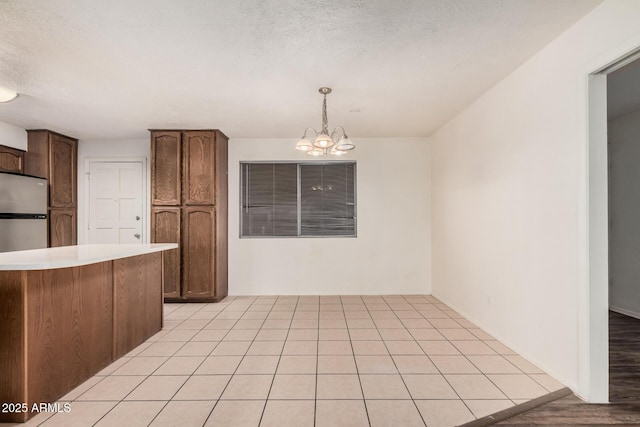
pixel 137 218
pixel 137 235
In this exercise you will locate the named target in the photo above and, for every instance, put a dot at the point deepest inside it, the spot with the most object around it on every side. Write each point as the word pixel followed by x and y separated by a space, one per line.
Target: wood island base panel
pixel 60 326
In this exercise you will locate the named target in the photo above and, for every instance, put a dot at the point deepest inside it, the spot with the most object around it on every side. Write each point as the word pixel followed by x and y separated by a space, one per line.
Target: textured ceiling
pixel 252 68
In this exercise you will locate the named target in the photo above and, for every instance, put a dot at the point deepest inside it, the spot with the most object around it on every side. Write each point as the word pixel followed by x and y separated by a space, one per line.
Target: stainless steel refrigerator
pixel 23 212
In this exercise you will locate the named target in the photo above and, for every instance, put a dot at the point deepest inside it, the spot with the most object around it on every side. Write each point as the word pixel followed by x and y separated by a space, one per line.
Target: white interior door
pixel 116 202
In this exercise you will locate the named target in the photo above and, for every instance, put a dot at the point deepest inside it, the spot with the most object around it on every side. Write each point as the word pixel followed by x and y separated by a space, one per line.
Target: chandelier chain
pixel 325 121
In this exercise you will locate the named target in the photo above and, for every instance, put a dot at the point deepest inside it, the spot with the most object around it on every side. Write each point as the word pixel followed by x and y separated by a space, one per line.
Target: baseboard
pixel 624 311
pixel 492 419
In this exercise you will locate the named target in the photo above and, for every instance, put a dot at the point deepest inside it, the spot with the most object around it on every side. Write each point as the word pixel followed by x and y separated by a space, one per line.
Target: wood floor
pixel 624 387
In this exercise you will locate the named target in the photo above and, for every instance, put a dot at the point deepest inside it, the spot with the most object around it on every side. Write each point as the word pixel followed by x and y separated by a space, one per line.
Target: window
pixel 298 199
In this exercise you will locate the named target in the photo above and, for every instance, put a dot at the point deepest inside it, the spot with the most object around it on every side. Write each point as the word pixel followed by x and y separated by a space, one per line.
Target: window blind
pixel 298 199
pixel 270 198
pixel 327 200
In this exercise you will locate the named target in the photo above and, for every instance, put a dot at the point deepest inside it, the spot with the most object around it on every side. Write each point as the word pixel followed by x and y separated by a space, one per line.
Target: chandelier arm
pixel 307 130
pixel 344 132
pixel 335 136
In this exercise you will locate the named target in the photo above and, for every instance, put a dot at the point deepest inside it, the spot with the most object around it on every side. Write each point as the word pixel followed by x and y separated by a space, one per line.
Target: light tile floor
pixel 305 361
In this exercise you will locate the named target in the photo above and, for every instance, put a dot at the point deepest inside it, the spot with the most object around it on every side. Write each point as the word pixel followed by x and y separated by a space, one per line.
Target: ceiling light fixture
pixel 335 143
pixel 7 95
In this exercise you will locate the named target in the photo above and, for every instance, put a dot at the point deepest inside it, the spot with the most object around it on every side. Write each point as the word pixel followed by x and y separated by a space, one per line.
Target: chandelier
pixel 335 143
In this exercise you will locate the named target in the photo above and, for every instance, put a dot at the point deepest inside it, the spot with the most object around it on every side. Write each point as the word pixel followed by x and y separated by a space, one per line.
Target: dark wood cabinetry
pixel 54 157
pixel 189 198
pixel 137 307
pixel 11 160
pixel 198 178
pixel 165 228
pixel 166 156
pixel 60 326
pixel 62 227
pixel 199 253
pixel 62 171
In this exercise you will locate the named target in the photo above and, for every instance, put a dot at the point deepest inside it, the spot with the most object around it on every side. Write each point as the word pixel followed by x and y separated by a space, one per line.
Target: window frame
pixel 299 201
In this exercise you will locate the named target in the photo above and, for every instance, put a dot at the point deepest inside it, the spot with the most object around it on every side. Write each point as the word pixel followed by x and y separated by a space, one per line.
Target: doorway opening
pixel 594 305
pixel 623 185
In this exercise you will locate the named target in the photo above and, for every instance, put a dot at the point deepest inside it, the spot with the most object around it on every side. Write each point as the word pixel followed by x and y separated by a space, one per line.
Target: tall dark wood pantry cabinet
pixel 54 156
pixel 189 207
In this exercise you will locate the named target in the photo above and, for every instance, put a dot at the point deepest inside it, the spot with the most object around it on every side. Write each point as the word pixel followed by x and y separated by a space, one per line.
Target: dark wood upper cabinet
pixel 166 155
pixel 62 171
pixel 165 228
pixel 198 253
pixel 11 160
pixel 199 179
pixel 54 156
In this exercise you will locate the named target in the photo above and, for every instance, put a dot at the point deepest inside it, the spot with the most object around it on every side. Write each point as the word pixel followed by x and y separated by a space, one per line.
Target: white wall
pixel 624 205
pixel 509 204
pixel 391 253
pixel 13 136
pixel 112 150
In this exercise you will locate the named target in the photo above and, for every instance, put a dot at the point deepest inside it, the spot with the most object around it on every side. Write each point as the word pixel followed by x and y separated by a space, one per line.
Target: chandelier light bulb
pixel 337 152
pixel 345 144
pixel 323 141
pixel 304 145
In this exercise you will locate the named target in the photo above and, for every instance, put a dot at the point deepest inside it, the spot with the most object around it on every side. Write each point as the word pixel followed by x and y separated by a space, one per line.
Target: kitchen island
pixel 68 312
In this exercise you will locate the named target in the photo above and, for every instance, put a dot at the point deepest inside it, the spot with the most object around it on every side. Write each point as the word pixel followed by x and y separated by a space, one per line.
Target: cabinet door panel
pixel 62 227
pixel 69 328
pixel 136 301
pixel 199 168
pixel 165 228
pixel 198 252
pixel 11 160
pixel 62 171
pixel 165 168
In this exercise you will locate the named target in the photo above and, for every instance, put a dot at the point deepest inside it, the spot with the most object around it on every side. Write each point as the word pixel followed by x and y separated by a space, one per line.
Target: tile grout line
pixel 390 355
pixel 241 309
pixel 209 354
pixel 121 400
pixel 496 353
pixel 239 363
pixel 146 376
pixel 475 366
pixel 441 373
pixel 266 401
pixel 188 376
pixel 395 364
pixel 366 410
pixel 205 358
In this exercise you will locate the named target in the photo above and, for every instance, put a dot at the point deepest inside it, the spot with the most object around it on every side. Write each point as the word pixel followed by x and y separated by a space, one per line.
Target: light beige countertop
pixel 74 256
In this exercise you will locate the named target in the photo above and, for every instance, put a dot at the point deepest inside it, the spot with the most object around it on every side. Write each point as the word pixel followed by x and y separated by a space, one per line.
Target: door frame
pixel 593 292
pixel 145 194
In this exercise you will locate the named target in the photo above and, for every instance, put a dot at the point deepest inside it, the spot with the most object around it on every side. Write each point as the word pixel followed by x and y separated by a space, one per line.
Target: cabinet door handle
pixel 137 235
